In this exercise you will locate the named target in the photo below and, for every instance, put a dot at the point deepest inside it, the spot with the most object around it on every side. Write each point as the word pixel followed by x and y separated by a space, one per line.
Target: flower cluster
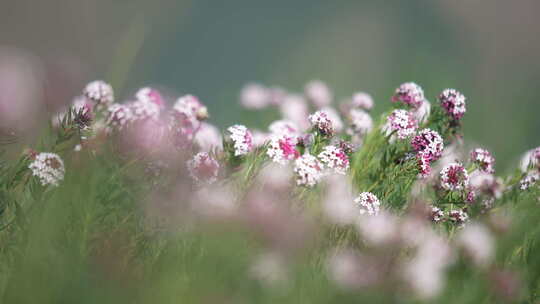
pixel 321 122
pixel 362 100
pixel 203 168
pixel 410 94
pixel 308 170
pixel 367 203
pixel 118 116
pixel 459 217
pixel 318 93
pixel 360 122
pixel 48 168
pixel 282 148
pixel 401 122
pixel 454 177
pixel 242 139
pixel 483 159
pixel 436 214
pixel 428 145
pixel 453 103
pixel 100 92
pixel 335 158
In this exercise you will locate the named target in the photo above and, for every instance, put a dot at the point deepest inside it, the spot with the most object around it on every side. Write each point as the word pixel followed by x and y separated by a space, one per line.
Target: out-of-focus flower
pixel 319 93
pixel 380 229
pixel 147 94
pixel 367 203
pixel 254 96
pixel 410 94
pixel 294 108
pixel 335 118
pixel 48 168
pixel 485 183
pixel 531 159
pixel 321 122
pixel 284 127
pixel 259 138
pixel 350 270
pixel 483 159
pixel 458 216
pixel 436 214
pixel 148 136
pixel 208 137
pixel 282 149
pixel 529 180
pixel 100 92
pixel 453 102
pixel 143 110
pixel 242 139
pixel 336 204
pixel 277 95
pixel 506 285
pixel 335 158
pixel 118 116
pixel 203 168
pixel 402 122
pixel 362 100
pixel 275 176
pixel 270 269
pixel 477 242
pixel 428 144
pixel 308 170
pixel 214 202
pixel 421 114
pixel 454 177
pixel 191 107
pixel 360 121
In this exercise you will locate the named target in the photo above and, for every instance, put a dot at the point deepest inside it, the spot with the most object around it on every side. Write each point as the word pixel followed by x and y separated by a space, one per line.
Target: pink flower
pixel 118 116
pixel 483 159
pixel 319 93
pixel 254 96
pixel 242 139
pixel 453 102
pixel 362 100
pixel 459 217
pixel 410 94
pixel 428 144
pixel 321 122
pixel 150 95
pixel 208 137
pixel 284 127
pixel 308 170
pixel 191 107
pixel 454 177
pixel 436 214
pixel 402 122
pixel 203 168
pixel 368 203
pixel 360 121
pixel 282 149
pixel 294 108
pixel 335 159
pixel 100 92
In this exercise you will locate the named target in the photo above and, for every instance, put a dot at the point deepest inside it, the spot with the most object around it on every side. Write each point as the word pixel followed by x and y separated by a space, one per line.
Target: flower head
pixel 191 107
pixel 360 121
pixel 118 116
pixel 308 170
pixel 453 103
pixel 208 137
pixel 335 158
pixel 48 167
pixel 483 159
pixel 529 180
pixel 458 216
pixel 428 144
pixel 282 149
pixel 436 214
pixel 294 108
pixel 203 168
pixel 321 122
pixel 150 95
pixel 530 160
pixel 410 94
pixel 319 93
pixel 254 96
pixel 454 177
pixel 362 100
pixel 402 122
pixel 284 127
pixel 143 110
pixel 368 203
pixel 100 92
pixel 242 139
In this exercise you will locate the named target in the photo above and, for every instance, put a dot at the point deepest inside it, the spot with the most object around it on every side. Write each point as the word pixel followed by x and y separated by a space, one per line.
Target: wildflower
pixel 410 94
pixel 361 122
pixel 147 94
pixel 208 137
pixel 362 100
pixel 282 149
pixel 367 203
pixel 380 229
pixel 424 166
pixel 191 107
pixel 454 177
pixel 294 108
pixel 335 118
pixel 321 122
pixel 48 167
pixel 308 170
pixel 453 102
pixel 254 96
pixel 319 93
pixel 428 144
pixel 458 216
pixel 335 158
pixel 336 204
pixel 531 159
pixel 242 139
pixel 118 115
pixel 203 168
pixel 259 138
pixel 143 110
pixel 477 242
pixel 485 183
pixel 100 92
pixel 284 127
pixel 529 180
pixel 483 159
pixel 402 122
pixel 436 214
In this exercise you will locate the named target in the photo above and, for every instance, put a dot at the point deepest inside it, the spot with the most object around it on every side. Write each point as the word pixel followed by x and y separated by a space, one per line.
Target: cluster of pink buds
pixel 242 139
pixel 321 122
pixel 308 170
pixel 410 94
pixel 483 159
pixel 458 216
pixel 454 177
pixel 428 145
pixel 367 203
pixel 282 148
pixel 453 103
pixel 335 158
pixel 402 122
pixel 203 168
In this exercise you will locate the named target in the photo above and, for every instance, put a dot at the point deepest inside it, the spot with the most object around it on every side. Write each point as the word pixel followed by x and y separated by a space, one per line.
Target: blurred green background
pixel 488 49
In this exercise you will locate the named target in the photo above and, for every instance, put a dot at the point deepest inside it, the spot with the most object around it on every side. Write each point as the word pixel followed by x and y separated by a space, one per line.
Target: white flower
pixel 118 115
pixel 362 100
pixel 142 110
pixel 454 177
pixel 319 93
pixel 402 122
pixel 282 149
pixel 99 91
pixel 361 122
pixel 48 167
pixel 242 139
pixel 254 96
pixel 335 158
pixel 368 203
pixel 308 170
pixel 294 108
pixel 208 137
pixel 321 121
pixel 203 168
pixel 284 127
